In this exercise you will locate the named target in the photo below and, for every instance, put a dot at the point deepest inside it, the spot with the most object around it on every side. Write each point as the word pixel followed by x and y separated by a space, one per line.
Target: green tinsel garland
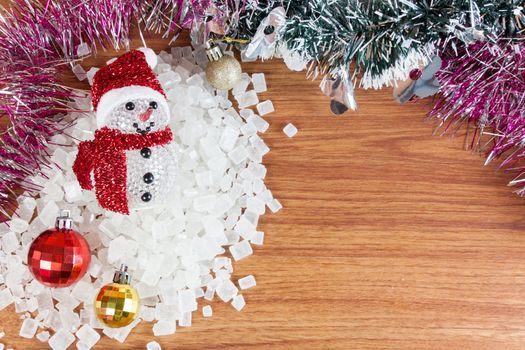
pixel 378 36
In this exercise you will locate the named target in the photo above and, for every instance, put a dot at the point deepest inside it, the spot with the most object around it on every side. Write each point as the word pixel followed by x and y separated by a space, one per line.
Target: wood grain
pixel 390 238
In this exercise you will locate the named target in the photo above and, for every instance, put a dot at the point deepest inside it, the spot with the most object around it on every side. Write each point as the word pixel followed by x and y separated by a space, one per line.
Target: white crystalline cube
pixel 88 336
pixel 290 130
pixel 218 163
pixel 248 129
pixel 187 53
pixel 147 313
pixel 257 238
pixel 49 214
pixel 238 154
pixel 79 72
pixel 207 311
pixel 6 298
pixel 246 113
pixel 28 329
pixel 255 205
pixel 265 107
pixel 259 145
pixel 164 327
pixel 169 79
pixel 204 179
pixel 200 57
pixel 72 191
pixel 82 291
pixel 226 290
pixel 117 249
pixel 247 282
pixel 44 299
pixel 247 99
pixel 195 80
pixel 18 225
pixel 241 250
pixel 160 230
pixel 43 336
pixel 32 304
pixel 162 67
pixel 83 49
pixel 212 226
pixel 223 204
pixel 204 203
pixel 187 301
pixel 244 227
pixel 90 74
pixel 26 209
pixel 208 295
pixel 10 242
pixel 275 205
pixel 228 138
pixel 95 267
pixel 242 84
pixel 81 346
pixel 61 340
pixel 153 345
pixel 260 124
pixel 259 82
pixel 123 332
pixel 238 302
pixel 185 320
pixel 258 186
pixel 70 320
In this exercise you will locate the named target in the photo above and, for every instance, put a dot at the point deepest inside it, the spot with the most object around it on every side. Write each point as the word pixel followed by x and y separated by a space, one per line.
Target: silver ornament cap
pixel 122 276
pixel 213 51
pixel 64 221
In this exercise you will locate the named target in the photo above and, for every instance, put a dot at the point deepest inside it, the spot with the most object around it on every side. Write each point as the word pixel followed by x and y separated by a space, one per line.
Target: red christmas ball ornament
pixel 59 257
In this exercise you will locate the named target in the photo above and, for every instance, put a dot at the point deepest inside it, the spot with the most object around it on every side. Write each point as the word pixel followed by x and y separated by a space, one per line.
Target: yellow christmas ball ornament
pixel 223 71
pixel 117 303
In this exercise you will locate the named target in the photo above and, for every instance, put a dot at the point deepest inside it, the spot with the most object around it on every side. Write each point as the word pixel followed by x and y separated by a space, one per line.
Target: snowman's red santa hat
pixel 129 77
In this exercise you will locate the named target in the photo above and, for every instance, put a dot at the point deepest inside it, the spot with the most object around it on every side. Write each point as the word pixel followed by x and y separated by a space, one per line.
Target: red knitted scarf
pixel 105 156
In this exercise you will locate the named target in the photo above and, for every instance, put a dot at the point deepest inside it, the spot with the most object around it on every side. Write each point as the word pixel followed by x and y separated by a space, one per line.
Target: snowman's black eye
pixel 153 104
pixel 130 106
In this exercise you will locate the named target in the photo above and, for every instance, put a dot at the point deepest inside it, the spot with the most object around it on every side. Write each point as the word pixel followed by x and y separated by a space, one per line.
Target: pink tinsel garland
pixel 485 85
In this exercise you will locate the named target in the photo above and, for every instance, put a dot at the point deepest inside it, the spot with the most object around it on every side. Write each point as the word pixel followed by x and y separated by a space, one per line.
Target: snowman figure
pixel 132 158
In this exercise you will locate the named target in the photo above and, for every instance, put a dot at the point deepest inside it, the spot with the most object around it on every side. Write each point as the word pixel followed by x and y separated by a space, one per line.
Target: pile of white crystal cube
pixel 178 253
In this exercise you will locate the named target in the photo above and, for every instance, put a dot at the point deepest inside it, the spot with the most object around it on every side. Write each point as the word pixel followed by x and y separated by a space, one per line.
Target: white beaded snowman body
pixel 150 171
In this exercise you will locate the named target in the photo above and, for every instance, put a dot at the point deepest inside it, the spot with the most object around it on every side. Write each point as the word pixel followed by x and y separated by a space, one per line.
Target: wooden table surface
pixel 390 238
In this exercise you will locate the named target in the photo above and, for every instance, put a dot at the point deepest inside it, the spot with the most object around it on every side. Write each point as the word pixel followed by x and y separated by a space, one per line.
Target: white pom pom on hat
pixel 151 57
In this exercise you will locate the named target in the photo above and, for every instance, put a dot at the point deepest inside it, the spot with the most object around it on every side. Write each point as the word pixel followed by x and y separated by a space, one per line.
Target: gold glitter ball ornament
pixel 223 71
pixel 117 304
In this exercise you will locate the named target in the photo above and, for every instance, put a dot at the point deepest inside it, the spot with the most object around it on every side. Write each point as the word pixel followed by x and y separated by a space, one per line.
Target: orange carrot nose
pixel 146 115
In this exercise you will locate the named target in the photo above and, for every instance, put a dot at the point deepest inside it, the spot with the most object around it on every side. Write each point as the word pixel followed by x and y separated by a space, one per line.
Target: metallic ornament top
pixel 117 304
pixel 59 257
